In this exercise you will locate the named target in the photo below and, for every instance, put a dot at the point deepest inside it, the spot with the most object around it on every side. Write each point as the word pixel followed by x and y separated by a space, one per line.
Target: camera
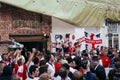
pixel 84 63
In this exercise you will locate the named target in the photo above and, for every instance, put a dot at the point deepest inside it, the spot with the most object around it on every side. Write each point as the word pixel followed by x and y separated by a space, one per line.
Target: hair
pixel 35 60
pixel 43 69
pixel 3 55
pixel 32 69
pixel 42 62
pixel 19 61
pixel 77 62
pixel 117 59
pixel 77 75
pixel 7 71
pixel 66 66
pixel 15 77
pixel 44 76
pixel 117 64
pixel 63 72
pixel 48 57
pixel 95 58
pixel 69 59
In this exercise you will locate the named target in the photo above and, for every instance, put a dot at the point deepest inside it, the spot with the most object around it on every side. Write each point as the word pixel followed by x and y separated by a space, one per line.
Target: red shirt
pixel 57 66
pixel 71 49
pixel 23 73
pixel 105 60
pixel 80 70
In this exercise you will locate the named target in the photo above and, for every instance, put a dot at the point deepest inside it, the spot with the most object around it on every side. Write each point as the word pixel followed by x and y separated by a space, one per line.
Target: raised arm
pixel 18 53
pixel 31 56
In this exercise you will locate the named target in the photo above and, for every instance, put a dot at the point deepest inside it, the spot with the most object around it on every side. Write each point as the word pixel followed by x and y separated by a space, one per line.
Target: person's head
pixel 50 58
pixel 70 44
pixel 43 69
pixel 21 60
pixel 63 72
pixel 39 55
pixel 117 59
pixel 66 66
pixel 85 56
pixel 116 55
pixel 77 62
pixel 44 76
pixel 105 51
pixel 28 54
pixel 36 61
pixel 76 44
pixel 7 71
pixel 77 75
pixel 95 59
pixel 67 35
pixel 114 49
pixel 73 36
pixel 59 59
pixel 34 71
pixel 61 36
pixel 4 56
pixel 42 62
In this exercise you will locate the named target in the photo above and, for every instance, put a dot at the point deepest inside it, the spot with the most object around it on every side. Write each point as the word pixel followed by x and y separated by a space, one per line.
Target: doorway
pixel 38 45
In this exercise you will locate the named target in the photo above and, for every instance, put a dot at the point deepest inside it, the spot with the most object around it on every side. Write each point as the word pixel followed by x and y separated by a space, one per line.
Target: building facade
pixel 25 27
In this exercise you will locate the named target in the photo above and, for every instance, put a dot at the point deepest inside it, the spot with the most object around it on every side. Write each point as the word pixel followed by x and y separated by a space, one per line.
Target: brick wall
pixel 13 20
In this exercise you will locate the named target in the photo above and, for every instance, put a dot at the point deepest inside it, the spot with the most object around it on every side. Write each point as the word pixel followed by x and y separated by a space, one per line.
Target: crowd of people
pixel 68 63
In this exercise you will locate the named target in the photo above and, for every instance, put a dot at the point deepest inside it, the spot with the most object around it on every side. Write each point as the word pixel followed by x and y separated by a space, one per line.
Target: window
pixel 112 27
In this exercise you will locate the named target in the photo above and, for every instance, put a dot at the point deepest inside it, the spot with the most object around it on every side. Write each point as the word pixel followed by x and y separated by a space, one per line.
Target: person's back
pixel 7 73
pixel 114 74
pixel 98 69
pixel 100 72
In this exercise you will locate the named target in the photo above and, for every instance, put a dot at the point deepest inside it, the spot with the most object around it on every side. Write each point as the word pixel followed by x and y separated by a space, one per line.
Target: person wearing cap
pixel 98 69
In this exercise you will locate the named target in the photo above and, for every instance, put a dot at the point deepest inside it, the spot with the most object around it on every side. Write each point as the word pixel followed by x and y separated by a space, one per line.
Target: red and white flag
pixel 92 40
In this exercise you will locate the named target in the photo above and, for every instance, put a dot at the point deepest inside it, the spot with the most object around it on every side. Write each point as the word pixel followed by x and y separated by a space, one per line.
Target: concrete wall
pixel 61 27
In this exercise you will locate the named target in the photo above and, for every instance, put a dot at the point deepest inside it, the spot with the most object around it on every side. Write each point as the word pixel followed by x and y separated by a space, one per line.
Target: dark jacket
pixel 7 73
pixel 89 76
pixel 112 75
pixel 100 72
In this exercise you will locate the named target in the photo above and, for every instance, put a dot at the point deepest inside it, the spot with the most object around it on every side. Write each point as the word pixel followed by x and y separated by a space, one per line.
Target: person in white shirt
pixel 50 62
pixel 33 73
pixel 59 42
pixel 73 40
